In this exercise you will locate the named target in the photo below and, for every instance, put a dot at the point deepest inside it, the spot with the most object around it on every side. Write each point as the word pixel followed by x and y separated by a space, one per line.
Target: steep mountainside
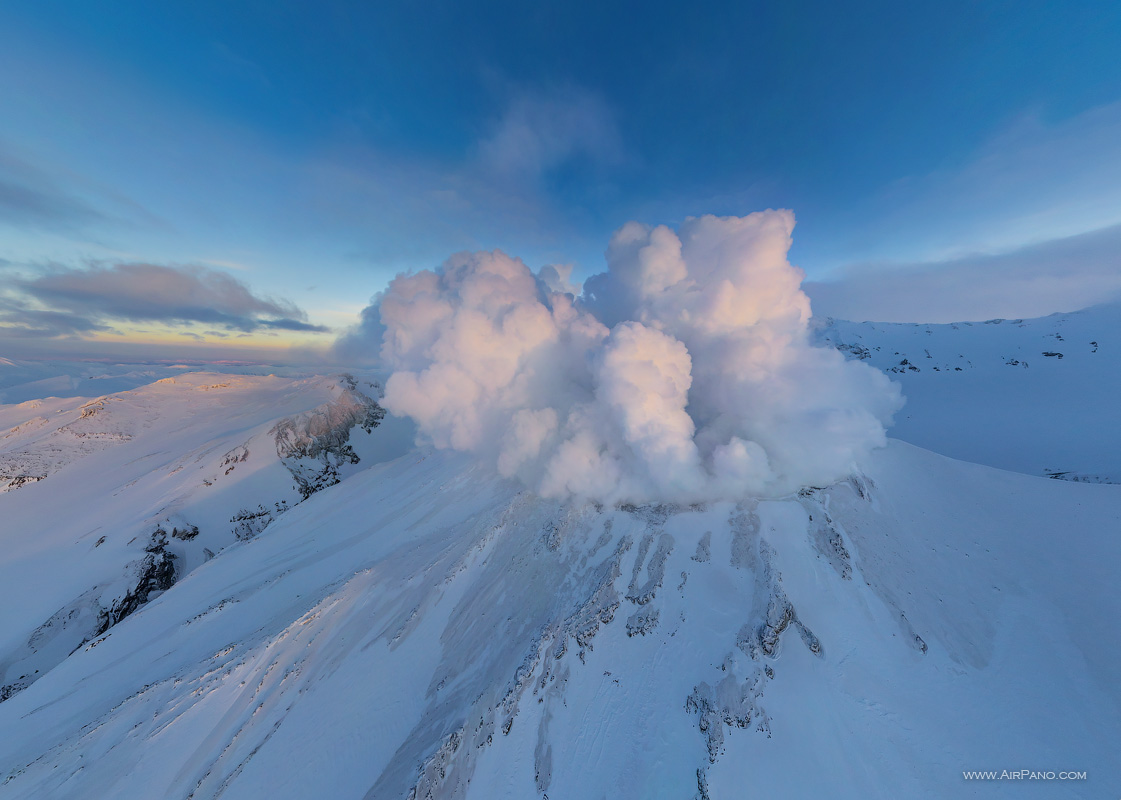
pixel 106 502
pixel 425 629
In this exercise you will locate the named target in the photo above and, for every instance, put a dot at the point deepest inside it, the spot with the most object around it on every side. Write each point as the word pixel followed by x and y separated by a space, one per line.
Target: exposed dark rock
pixel 829 543
pixel 156 572
pixel 745 537
pixel 702 785
pixel 655 570
pixel 904 366
pixel 186 533
pixel 600 607
pixel 856 351
pixel 249 523
pixel 642 621
pixel 18 480
pixel 435 770
pixel 731 702
pixel 704 548
pixel 315 444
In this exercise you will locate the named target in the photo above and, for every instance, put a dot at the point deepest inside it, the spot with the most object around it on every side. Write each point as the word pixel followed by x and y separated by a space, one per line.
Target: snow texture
pixel 427 629
pixel 1037 396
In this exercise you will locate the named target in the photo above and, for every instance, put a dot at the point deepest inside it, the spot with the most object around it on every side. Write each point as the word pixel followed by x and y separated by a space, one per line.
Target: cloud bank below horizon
pixel 684 373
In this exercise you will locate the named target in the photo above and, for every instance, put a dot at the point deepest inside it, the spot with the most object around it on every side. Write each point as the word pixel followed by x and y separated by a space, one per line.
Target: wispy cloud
pixel 29 196
pixel 541 132
pixel 1036 179
pixel 20 322
pixel 1058 275
pixel 504 188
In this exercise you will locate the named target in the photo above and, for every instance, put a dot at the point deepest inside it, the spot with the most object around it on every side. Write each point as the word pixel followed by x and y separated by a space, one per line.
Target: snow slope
pixel 1038 396
pixel 104 503
pixel 425 629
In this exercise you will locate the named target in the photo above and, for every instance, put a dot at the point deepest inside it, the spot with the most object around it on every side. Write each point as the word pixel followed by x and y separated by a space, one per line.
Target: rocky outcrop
pixel 155 572
pixel 10 480
pixel 91 615
pixel 315 444
pixel 730 702
pixel 249 523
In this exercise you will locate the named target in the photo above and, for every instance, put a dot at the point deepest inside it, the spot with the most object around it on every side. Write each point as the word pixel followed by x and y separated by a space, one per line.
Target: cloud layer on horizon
pixel 1057 275
pixel 65 302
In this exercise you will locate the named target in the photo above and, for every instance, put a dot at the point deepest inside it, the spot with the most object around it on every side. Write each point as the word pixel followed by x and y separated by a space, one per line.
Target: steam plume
pixel 684 373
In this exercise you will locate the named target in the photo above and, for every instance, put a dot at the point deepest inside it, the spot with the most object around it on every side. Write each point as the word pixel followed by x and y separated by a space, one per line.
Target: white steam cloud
pixel 684 373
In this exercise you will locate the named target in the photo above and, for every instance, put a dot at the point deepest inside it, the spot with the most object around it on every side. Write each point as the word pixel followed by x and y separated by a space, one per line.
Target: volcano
pixel 425 628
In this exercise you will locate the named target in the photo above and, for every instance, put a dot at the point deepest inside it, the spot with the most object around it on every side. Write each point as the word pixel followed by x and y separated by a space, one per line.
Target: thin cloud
pixel 30 198
pixel 20 322
pixel 1036 180
pixel 38 195
pixel 293 325
pixel 1058 275
pixel 413 209
pixel 213 262
pixel 541 132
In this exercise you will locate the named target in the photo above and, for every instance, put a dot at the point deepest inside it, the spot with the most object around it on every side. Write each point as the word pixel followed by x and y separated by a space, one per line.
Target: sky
pixel 239 179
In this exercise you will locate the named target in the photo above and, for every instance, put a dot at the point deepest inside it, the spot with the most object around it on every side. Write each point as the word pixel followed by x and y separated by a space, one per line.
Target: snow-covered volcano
pixel 427 629
pixel 258 587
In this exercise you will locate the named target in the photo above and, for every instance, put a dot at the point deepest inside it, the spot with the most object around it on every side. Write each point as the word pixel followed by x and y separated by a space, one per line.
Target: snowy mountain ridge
pixel 1036 396
pixel 174 472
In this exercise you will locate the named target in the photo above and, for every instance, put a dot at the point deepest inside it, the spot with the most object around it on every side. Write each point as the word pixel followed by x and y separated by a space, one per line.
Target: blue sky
pixel 308 152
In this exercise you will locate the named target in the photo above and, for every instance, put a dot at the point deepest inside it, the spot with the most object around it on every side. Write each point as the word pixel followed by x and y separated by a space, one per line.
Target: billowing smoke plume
pixel 684 373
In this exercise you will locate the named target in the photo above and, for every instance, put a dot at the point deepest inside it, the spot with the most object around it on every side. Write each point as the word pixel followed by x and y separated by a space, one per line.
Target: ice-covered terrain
pixel 205 596
pixel 1038 395
pixel 106 502
pixel 425 629
pixel 23 380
